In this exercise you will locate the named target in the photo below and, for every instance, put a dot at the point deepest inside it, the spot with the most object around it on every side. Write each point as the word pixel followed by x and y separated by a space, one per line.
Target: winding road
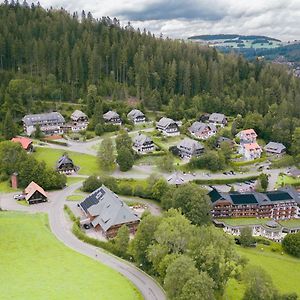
pixel 60 227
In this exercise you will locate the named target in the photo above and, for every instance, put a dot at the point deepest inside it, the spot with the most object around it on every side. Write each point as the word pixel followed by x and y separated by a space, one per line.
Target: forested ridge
pixel 52 55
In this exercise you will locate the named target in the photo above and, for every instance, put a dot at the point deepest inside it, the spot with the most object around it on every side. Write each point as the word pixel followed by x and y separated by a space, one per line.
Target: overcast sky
pixel 183 18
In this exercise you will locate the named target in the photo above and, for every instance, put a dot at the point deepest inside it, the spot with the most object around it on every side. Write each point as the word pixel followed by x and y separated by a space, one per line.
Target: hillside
pixel 51 56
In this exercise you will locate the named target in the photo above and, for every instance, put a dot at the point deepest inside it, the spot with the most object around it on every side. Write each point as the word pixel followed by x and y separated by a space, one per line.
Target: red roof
pixel 252 146
pixel 25 142
pixel 31 188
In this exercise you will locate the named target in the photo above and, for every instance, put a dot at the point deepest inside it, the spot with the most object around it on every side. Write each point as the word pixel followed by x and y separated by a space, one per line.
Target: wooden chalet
pixel 35 194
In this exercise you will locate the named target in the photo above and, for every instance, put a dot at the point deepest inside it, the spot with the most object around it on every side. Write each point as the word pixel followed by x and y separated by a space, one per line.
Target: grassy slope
pixel 34 265
pixel 88 164
pixel 5 187
pixel 284 270
pixel 286 180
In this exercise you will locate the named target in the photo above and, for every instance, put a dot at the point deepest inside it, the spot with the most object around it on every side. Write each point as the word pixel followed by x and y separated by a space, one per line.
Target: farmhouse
pixel 35 194
pixel 50 123
pixel 136 116
pixel 168 127
pixel 65 165
pixel 25 142
pixel 281 204
pixel 112 117
pixel 79 117
pixel 202 130
pixel 107 212
pixel 218 119
pixel 250 151
pixel 189 148
pixel 273 148
pixel 247 136
pixel 143 144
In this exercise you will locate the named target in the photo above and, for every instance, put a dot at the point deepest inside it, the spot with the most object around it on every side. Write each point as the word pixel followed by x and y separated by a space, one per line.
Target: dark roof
pixel 52 117
pixel 243 199
pixel 92 199
pixel 214 195
pixel 279 196
pixel 65 159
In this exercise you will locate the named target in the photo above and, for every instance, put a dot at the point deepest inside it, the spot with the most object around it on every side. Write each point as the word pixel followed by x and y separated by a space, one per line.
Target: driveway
pixel 60 227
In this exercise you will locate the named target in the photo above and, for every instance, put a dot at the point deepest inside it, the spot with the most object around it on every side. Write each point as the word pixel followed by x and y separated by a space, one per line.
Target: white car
pixel 19 197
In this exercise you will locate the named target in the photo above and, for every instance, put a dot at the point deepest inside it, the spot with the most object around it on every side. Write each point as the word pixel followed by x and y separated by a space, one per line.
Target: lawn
pixel 88 164
pixel 290 223
pixel 243 221
pixel 287 180
pixel 6 188
pixel 71 180
pixel 35 265
pixel 75 197
pixel 284 269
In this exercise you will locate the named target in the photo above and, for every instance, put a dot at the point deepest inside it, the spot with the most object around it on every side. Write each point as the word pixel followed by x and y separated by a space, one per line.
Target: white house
pixel 168 127
pixel 136 116
pixel 250 151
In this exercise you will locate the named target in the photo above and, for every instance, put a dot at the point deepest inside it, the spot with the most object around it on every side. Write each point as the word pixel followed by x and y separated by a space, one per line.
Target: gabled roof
pixel 223 139
pixel 135 113
pixel 141 139
pixel 65 159
pixel 52 117
pixel 275 147
pixel 252 146
pixel 190 144
pixel 78 114
pixel 165 122
pixel 217 118
pixel 199 127
pixel 247 133
pixel 107 209
pixel 32 188
pixel 24 141
pixel 111 115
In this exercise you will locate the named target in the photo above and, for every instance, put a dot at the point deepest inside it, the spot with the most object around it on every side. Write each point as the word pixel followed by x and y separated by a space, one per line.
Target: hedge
pixel 246 163
pixel 225 181
pixel 56 142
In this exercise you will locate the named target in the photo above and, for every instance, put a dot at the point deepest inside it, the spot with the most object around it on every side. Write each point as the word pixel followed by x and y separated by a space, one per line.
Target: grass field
pixel 243 221
pixel 72 180
pixel 284 270
pixel 6 188
pixel 286 180
pixel 88 164
pixel 75 197
pixel 35 265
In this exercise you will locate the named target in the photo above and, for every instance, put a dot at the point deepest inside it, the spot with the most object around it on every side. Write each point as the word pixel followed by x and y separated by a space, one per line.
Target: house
pixel 273 148
pixel 112 117
pixel 136 116
pixel 250 151
pixel 223 139
pixel 281 204
pixel 79 117
pixel 25 142
pixel 218 119
pixel 107 212
pixel 50 123
pixel 189 148
pixel 294 172
pixel 35 194
pixel 65 165
pixel 204 118
pixel 202 131
pixel 247 136
pixel 143 144
pixel 168 127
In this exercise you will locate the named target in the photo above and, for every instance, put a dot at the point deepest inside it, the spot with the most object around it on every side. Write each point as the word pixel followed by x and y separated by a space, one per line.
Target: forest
pixel 54 56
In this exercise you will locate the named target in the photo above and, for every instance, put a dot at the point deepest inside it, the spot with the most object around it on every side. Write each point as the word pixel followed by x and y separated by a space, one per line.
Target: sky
pixel 184 18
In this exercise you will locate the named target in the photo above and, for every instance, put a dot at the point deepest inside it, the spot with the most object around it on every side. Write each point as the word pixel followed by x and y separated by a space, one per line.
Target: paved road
pixel 61 228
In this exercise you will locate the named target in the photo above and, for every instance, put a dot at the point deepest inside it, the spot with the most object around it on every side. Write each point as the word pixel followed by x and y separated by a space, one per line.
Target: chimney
pixel 14 180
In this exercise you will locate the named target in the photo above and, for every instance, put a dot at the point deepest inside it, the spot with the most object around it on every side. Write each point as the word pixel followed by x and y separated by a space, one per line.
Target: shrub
pixel 291 244
pixel 91 184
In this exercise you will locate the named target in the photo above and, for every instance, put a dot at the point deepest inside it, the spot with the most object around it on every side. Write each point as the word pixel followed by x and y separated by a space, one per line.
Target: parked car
pixel 86 226
pixel 19 197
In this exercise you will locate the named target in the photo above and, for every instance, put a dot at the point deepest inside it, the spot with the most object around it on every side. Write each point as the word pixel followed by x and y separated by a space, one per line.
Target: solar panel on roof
pixel 244 199
pixel 279 196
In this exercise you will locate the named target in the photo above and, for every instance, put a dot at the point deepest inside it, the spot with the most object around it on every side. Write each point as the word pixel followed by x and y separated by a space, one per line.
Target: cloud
pixel 183 18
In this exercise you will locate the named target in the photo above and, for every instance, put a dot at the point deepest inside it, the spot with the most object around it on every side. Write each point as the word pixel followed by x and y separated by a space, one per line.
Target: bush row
pixel 224 181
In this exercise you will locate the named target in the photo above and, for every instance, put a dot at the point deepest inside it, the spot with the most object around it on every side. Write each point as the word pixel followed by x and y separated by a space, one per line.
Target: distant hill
pixel 210 37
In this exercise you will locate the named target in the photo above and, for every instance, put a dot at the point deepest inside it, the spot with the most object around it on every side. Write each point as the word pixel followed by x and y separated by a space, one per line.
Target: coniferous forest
pixel 52 55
